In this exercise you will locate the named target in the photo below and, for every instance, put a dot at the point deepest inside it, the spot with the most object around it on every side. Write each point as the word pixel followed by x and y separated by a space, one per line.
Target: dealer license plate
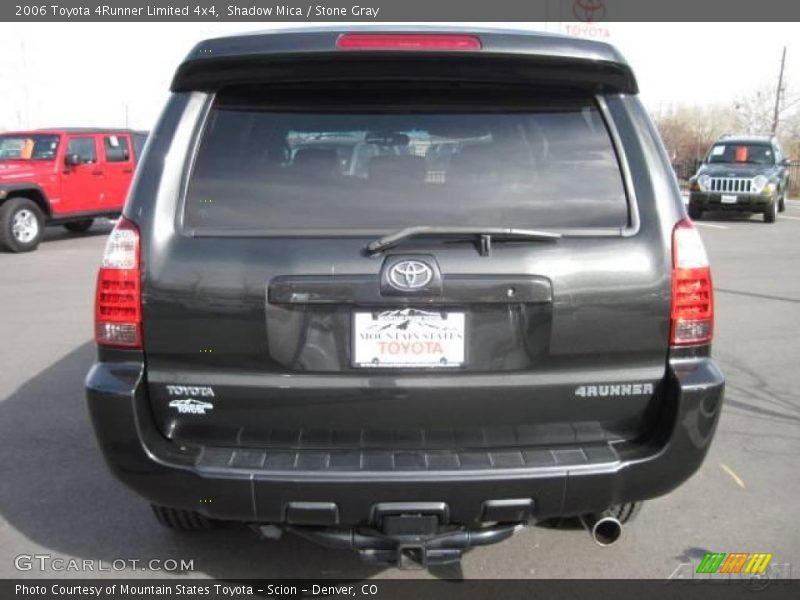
pixel 408 337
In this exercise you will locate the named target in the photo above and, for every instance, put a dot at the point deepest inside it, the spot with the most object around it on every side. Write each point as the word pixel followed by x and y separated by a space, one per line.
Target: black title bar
pixel 396 589
pixel 373 11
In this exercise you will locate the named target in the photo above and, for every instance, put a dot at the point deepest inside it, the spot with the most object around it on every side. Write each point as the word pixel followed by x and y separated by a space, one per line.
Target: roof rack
pixel 91 129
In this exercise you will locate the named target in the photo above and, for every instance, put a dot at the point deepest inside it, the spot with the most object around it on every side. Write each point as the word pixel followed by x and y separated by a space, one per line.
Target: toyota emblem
pixel 589 11
pixel 410 275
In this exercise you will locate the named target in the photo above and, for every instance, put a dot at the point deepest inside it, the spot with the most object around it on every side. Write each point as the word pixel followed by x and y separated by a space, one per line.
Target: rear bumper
pixel 744 202
pixel 268 487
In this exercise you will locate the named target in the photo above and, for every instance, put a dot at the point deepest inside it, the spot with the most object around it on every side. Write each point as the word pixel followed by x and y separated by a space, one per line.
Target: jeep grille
pixel 731 184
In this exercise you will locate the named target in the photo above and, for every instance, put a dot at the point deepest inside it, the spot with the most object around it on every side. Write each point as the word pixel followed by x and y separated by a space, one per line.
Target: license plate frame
pixel 412 338
pixel 728 198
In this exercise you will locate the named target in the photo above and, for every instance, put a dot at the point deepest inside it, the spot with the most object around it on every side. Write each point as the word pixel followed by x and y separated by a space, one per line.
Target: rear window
pixel 391 163
pixel 116 148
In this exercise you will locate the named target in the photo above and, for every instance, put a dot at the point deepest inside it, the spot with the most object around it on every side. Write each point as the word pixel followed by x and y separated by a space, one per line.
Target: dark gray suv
pixel 404 292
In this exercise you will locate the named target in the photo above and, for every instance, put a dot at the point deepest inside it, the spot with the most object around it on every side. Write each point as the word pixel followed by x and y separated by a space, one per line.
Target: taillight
pixel 118 303
pixel 692 292
pixel 407 41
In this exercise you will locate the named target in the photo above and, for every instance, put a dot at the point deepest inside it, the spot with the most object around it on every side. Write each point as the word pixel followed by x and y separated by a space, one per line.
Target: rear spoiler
pixel 313 56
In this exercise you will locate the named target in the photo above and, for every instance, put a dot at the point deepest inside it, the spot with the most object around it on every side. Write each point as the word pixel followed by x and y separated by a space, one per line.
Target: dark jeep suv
pixel 404 292
pixel 745 173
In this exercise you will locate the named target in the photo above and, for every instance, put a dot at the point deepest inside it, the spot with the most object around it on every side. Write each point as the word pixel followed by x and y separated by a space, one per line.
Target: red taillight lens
pixel 118 303
pixel 407 41
pixel 692 291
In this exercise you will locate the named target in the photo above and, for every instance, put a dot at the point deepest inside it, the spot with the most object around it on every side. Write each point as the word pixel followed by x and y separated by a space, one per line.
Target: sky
pixel 118 74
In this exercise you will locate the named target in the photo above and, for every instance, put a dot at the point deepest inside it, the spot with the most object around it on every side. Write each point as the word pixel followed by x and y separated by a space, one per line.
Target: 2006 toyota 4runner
pixel 404 292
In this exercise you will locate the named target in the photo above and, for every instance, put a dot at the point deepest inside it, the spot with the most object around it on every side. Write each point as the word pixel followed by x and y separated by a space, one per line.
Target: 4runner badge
pixel 614 389
pixel 191 406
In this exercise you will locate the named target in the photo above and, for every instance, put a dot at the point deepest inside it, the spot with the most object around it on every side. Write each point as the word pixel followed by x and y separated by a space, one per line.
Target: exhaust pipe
pixel 604 527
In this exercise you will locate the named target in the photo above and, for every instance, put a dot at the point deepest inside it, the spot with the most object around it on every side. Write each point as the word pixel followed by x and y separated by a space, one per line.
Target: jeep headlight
pixel 759 183
pixel 704 181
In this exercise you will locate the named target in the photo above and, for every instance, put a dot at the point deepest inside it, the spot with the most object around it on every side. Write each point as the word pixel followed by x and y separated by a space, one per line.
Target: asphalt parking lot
pixel 57 498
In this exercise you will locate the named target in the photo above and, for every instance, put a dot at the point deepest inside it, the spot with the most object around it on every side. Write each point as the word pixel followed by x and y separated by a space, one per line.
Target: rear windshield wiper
pixel 485 233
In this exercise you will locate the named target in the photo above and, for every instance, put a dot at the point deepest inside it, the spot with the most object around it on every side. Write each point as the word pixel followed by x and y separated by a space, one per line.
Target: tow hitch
pixel 407 551
pixel 410 536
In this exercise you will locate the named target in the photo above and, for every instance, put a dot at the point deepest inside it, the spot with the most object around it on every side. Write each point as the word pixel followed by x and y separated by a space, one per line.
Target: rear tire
pixel 695 213
pixel 782 203
pixel 79 226
pixel 178 519
pixel 771 214
pixel 21 225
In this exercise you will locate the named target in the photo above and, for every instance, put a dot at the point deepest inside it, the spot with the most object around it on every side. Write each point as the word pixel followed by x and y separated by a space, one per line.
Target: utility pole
pixel 778 92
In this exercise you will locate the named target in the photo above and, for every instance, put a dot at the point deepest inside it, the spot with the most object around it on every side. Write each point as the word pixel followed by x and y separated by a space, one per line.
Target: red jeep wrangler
pixel 62 177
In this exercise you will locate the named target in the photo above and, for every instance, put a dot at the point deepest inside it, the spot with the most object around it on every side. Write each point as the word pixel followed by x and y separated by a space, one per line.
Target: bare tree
pixel 688 131
pixel 754 112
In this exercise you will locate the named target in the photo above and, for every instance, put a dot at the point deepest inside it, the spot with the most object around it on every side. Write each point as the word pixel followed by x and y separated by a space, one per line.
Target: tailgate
pixel 269 324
